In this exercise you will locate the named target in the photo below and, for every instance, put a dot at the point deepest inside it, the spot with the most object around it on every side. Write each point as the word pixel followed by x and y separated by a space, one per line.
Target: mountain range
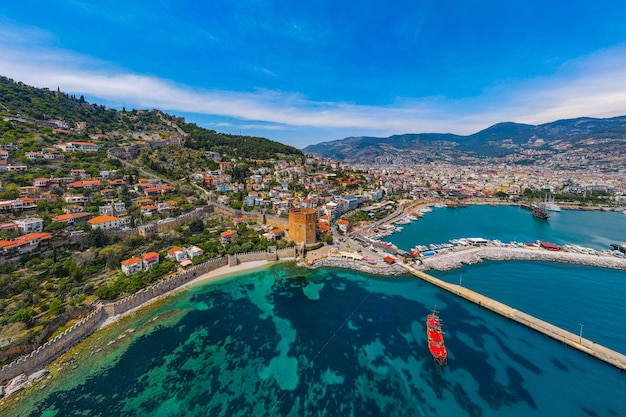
pixel 604 137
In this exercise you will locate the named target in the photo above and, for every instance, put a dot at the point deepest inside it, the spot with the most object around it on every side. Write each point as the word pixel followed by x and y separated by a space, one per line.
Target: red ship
pixel 435 338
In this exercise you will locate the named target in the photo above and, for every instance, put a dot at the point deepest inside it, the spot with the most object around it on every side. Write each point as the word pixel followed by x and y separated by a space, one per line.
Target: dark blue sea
pixel 285 341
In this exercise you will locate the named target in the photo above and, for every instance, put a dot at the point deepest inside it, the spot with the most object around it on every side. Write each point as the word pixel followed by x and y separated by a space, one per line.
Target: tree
pixel 329 239
pixel 56 307
pixel 23 315
pixel 196 226
pixel 112 255
pixel 98 238
pixel 11 192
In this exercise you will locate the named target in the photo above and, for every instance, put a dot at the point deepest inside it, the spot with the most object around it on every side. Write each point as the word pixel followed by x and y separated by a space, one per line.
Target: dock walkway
pixel 584 345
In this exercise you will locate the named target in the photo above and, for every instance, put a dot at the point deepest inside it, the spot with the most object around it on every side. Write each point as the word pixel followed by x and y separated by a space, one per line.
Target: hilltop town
pixel 97 203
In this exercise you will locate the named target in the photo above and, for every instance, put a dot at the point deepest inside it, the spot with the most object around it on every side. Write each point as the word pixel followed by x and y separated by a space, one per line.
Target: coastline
pixel 220 274
pixel 34 371
pixel 446 261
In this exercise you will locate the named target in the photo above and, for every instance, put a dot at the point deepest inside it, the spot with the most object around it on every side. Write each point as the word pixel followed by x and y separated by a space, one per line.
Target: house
pixel 343 225
pixel 119 207
pixel 34 156
pixel 108 222
pixel 239 220
pixel 177 253
pixel 8 226
pixel 167 205
pixel 87 184
pixel 77 146
pixel 149 210
pixel 278 233
pixel 41 182
pixel 76 199
pixel 150 259
pixel 79 173
pixel 194 251
pixel 8 206
pixel 30 242
pixel 117 183
pixel 31 225
pixel 72 218
pixel 324 228
pixel 73 208
pixel 227 236
pixel 250 199
pixel 132 265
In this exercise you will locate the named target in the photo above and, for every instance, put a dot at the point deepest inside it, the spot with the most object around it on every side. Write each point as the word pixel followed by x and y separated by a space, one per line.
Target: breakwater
pixel 474 255
pixel 50 350
pixel 584 345
pixel 456 259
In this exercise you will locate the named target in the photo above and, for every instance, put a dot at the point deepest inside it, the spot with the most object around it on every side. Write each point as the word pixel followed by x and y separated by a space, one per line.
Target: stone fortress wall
pixel 53 348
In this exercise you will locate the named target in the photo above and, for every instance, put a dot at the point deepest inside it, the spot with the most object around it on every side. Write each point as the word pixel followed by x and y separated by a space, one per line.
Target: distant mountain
pixel 606 136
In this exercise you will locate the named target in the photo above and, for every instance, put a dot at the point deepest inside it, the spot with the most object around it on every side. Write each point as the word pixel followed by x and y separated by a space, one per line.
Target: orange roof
pixel 149 256
pixel 277 230
pixel 7 226
pixel 131 261
pixel 23 240
pixel 62 218
pixel 342 221
pixel 324 227
pixel 229 233
pixel 174 250
pixel 149 207
pixel 101 219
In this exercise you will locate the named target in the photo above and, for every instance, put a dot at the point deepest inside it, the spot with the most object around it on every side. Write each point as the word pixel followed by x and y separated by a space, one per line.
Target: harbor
pixel 458 252
pixel 351 260
pixel 576 341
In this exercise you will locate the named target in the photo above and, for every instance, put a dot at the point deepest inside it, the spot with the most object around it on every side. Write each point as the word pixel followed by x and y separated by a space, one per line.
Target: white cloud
pixel 590 86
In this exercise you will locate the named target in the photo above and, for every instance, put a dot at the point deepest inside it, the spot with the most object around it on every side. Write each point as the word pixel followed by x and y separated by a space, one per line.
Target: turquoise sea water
pixel 292 342
pixel 286 341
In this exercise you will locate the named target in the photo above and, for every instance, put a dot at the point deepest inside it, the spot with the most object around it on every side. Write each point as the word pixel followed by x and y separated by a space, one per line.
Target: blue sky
pixel 307 72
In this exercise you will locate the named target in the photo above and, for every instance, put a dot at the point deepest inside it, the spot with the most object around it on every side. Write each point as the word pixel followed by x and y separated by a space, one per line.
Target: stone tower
pixel 302 223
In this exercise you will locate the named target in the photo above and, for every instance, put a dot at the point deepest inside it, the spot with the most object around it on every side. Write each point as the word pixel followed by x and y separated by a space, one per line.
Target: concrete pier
pixel 591 348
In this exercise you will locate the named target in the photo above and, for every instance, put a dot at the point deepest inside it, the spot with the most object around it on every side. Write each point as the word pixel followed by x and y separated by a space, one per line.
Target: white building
pixel 31 225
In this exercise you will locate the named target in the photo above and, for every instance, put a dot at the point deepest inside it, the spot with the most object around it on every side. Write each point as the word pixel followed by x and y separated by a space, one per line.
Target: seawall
pixel 456 259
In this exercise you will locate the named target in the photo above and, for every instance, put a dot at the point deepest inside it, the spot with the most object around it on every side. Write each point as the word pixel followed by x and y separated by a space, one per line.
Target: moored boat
pixel 434 334
pixel 540 213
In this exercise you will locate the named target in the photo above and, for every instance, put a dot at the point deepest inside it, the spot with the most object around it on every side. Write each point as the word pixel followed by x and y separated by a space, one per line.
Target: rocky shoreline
pixel 393 269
